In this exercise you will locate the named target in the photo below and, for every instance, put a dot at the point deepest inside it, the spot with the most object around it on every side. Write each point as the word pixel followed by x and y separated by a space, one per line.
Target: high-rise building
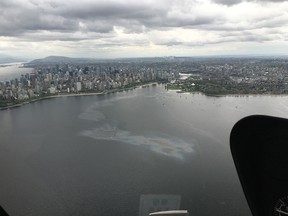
pixel 78 86
pixel 52 90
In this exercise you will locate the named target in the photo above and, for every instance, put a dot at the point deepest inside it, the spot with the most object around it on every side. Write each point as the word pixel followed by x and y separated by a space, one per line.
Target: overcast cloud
pixel 125 28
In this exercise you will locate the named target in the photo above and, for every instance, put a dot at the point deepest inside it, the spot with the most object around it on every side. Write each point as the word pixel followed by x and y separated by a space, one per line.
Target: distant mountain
pixel 7 60
pixel 62 59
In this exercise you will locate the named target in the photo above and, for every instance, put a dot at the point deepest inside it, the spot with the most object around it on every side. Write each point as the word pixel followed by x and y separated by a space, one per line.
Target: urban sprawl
pixel 210 76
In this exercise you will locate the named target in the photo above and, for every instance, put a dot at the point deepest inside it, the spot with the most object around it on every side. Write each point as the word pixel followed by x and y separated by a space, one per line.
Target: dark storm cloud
pixel 228 2
pixel 40 20
pixel 16 19
pixel 233 2
pixel 131 15
pixel 111 10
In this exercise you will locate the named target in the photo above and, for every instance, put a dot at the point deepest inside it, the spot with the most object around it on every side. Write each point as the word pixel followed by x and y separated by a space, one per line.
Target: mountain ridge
pixel 8 60
pixel 62 59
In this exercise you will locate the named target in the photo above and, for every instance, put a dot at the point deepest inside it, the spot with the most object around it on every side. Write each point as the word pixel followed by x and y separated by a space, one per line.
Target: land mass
pixel 56 76
pixel 61 60
pixel 236 76
pixel 8 60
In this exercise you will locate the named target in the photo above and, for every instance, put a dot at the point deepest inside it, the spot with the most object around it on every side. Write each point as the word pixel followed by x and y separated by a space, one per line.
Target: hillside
pixel 62 59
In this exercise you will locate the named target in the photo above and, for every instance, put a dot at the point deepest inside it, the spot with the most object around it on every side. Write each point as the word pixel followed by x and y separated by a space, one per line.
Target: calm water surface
pixel 96 155
pixel 12 71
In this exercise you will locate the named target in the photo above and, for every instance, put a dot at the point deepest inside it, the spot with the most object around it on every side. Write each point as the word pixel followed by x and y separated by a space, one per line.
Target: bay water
pixel 96 155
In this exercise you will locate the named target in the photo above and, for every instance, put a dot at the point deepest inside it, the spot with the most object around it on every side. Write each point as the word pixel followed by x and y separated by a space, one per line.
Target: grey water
pixel 12 71
pixel 96 155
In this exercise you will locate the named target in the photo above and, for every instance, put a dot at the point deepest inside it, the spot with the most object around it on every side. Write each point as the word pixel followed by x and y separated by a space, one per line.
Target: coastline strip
pixel 72 95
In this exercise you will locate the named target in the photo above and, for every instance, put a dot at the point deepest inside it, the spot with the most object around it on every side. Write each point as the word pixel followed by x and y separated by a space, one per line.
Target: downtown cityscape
pixel 55 76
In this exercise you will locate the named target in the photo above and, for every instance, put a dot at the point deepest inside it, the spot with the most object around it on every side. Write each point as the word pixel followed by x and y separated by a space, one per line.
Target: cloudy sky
pixel 140 28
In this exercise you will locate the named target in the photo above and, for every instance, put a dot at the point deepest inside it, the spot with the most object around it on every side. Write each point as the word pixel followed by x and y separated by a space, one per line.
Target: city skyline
pixel 125 28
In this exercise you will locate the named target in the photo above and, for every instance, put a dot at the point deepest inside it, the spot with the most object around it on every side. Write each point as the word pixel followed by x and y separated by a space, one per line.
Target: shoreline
pixel 74 95
pixel 131 88
pixel 50 97
pixel 178 91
